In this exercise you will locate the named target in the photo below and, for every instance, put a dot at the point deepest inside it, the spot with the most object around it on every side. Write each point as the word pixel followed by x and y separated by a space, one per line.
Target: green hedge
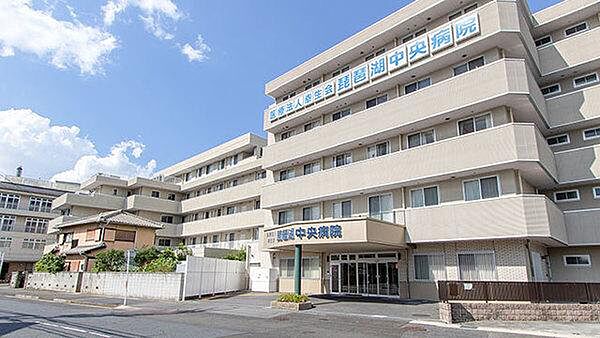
pixel 292 298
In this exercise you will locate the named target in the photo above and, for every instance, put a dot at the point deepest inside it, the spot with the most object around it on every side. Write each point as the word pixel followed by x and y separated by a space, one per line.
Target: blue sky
pixel 145 90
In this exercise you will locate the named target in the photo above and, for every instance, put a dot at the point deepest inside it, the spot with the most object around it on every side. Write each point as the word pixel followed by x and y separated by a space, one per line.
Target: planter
pixel 291 306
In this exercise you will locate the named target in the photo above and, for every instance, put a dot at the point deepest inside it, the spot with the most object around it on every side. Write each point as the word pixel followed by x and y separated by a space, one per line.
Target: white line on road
pixel 495 329
pixel 70 328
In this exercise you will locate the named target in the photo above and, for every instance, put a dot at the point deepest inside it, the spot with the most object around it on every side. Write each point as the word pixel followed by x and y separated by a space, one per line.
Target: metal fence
pixel 535 292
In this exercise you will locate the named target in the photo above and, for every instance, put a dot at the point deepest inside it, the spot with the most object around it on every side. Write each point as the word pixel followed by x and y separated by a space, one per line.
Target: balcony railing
pixel 27 208
pixel 231 245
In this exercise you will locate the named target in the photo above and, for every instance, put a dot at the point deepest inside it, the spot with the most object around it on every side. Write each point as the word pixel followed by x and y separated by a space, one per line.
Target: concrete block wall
pixel 61 281
pixel 166 286
pixel 463 312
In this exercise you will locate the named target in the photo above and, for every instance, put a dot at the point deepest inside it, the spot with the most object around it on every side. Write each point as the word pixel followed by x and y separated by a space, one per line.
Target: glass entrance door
pixel 366 274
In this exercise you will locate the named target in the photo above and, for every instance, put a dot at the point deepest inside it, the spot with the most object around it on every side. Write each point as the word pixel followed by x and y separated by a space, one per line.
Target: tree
pixel 50 263
pixel 239 255
pixel 145 255
pixel 183 251
pixel 166 262
pixel 109 260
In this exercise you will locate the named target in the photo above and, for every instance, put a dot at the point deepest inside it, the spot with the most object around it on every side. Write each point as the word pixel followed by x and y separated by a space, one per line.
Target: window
pixel 311 213
pixel 566 196
pixel 376 101
pixel 166 219
pixel 340 71
pixel 585 80
pixel 5 242
pixel 372 55
pixel 340 114
pixel 287 134
pixel 125 236
pixel 155 194
pixel 424 197
pixel 230 210
pixel 231 236
pixel 379 149
pixel 257 205
pixel 558 140
pixel 115 192
pixel 596 192
pixel 474 124
pixel 171 197
pixel 215 238
pixel 468 66
pixel 310 126
pixel 233 183
pixel 413 87
pixel 36 225
pixel 412 36
pixel 419 139
pixel 9 201
pixel 310 267
pixel 286 174
pixel 551 89
pixel 342 209
pixel 7 222
pixel 90 235
pixel 543 41
pixel 381 207
pixel 311 168
pixel 590 134
pixel 285 216
pixel 310 85
pixel 576 29
pixel 40 204
pixel 164 242
pixel 33 244
pixel 480 266
pixel 342 159
pixel 429 267
pixel 481 188
pixel 577 260
pixel 261 174
pixel 463 11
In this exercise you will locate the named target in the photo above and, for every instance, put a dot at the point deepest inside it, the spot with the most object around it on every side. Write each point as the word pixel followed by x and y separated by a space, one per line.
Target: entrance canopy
pixel 339 235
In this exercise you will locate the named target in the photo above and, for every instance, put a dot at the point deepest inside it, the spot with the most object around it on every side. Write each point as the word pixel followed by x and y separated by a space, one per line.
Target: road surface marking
pixel 70 328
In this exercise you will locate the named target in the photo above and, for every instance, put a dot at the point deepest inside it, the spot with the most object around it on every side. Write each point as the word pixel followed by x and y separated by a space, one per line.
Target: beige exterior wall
pixel 562 273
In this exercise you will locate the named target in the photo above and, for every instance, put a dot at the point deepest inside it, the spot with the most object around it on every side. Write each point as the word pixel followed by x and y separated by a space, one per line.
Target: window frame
pixel 345 154
pixel 559 144
pixel 544 44
pixel 341 203
pixel 381 213
pixel 417 84
pixel 474 125
pixel 552 93
pixel 596 192
pixel 374 145
pixel 587 27
pixel 376 98
pixel 589 259
pixel 481 198
pixel 420 133
pixel 478 252
pixel 578 198
pixel 575 85
pixel 312 208
pixel 291 211
pixel 343 113
pixel 430 277
pixel 467 63
pixel 422 189
pixel 586 138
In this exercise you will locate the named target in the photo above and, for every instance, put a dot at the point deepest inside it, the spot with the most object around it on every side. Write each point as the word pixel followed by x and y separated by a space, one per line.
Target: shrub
pixel 182 252
pixel 50 263
pixel 292 298
pixel 145 255
pixel 237 256
pixel 161 264
pixel 110 260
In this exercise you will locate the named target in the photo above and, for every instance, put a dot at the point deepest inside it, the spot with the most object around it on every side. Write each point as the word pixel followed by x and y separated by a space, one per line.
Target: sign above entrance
pixel 309 232
pixel 417 49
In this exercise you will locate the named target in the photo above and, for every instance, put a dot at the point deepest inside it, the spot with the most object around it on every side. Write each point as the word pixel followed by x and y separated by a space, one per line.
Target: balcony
pixel 502 26
pixel 570 52
pixel 244 166
pixel 504 82
pixel 360 233
pixel 576 165
pixel 237 221
pixel 577 107
pixel 229 245
pixel 510 146
pixel 147 203
pixel 95 201
pixel 583 227
pixel 520 216
pixel 231 195
pixel 25 211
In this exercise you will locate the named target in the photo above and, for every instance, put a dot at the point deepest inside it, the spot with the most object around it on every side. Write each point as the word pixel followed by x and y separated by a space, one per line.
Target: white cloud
pixel 198 52
pixel 153 14
pixel 118 162
pixel 44 150
pixel 65 44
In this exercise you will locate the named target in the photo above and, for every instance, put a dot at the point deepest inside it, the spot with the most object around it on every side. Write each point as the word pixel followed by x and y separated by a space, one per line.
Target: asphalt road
pixel 34 318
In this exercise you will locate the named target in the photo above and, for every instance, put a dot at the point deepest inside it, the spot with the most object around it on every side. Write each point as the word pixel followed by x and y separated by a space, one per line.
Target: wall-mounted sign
pixel 310 232
pixel 417 49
